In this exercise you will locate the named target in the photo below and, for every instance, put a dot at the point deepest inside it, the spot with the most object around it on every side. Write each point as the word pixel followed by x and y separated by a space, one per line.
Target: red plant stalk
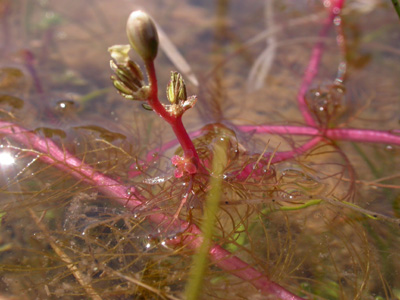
pixel 335 7
pixel 175 122
pixel 150 156
pixel 51 154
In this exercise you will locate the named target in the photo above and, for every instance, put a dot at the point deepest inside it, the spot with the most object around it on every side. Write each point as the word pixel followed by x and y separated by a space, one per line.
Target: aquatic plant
pixel 211 195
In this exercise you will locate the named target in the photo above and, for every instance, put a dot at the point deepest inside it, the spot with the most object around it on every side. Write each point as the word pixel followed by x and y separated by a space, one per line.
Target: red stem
pixel 175 121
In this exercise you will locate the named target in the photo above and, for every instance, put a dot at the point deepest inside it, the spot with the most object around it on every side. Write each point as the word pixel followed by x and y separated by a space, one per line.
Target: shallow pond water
pixel 312 206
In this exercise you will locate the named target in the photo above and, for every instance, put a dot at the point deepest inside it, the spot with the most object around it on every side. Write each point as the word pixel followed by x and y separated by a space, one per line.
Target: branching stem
pixel 174 121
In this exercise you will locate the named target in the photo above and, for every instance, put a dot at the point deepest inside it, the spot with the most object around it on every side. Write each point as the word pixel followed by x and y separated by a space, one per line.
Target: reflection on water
pixel 248 58
pixel 6 159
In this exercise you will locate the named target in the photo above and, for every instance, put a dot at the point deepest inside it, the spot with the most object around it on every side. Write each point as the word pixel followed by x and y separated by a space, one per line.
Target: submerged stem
pixel 346 134
pixel 50 153
pixel 313 65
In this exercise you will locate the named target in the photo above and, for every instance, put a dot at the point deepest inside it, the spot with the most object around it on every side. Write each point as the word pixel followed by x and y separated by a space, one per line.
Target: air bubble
pixel 155 180
pixel 65 106
pixel 130 191
pixel 337 20
pixel 389 148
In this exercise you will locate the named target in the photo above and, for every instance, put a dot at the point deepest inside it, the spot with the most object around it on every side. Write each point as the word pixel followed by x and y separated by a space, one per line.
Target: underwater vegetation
pixel 266 168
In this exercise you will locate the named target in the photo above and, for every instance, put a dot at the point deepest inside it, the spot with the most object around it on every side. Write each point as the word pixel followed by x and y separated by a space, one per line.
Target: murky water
pixel 324 225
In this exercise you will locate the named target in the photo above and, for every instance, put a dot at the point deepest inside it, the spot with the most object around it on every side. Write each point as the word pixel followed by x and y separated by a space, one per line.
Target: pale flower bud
pixel 142 35
pixel 120 53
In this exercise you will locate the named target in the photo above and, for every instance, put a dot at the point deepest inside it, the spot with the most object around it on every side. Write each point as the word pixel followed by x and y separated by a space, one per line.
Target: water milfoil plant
pixel 223 211
pixel 143 38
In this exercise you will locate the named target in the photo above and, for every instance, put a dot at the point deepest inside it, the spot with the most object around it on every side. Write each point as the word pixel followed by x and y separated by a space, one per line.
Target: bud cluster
pixel 143 38
pixel 177 96
pixel 128 78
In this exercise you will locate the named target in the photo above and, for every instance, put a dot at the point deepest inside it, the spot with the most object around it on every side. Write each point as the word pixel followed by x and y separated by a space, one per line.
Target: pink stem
pixel 276 129
pixel 284 155
pixel 349 134
pixel 50 153
pixel 312 68
pixel 29 62
pixel 278 157
pixel 363 135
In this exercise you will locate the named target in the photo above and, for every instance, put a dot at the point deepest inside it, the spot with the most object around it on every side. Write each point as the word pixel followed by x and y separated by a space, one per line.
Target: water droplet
pixel 337 20
pixel 130 191
pixel 389 148
pixel 336 10
pixel 65 106
pixel 155 180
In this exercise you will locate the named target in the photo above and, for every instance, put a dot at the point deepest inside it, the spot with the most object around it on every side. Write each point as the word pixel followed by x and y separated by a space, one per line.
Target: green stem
pixel 200 259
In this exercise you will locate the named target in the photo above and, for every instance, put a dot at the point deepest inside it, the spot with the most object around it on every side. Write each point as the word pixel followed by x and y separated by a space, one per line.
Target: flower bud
pixel 119 53
pixel 176 89
pixel 142 35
